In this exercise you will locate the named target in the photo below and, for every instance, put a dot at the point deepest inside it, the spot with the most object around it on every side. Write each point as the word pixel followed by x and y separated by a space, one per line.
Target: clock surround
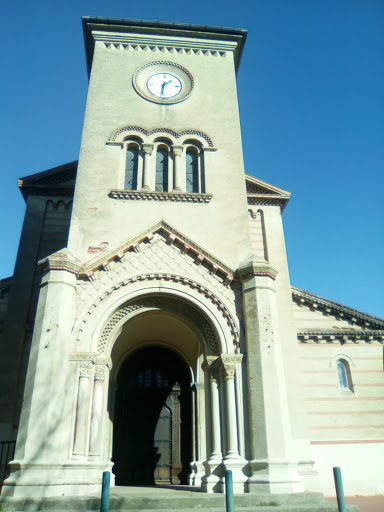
pixel 180 73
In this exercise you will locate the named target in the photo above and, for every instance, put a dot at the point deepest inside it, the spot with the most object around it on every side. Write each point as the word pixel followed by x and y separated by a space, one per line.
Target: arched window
pixel 344 375
pixel 192 171
pixel 161 170
pixel 131 167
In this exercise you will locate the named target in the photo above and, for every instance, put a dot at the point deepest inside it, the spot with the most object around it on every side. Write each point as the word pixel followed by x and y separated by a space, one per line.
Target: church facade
pixel 150 327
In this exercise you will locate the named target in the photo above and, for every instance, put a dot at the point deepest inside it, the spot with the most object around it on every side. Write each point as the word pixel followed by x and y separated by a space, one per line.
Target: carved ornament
pixel 148 148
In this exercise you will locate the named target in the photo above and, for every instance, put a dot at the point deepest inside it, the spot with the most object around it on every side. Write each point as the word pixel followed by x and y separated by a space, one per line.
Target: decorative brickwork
pixel 163 303
pixel 160 196
pixel 173 133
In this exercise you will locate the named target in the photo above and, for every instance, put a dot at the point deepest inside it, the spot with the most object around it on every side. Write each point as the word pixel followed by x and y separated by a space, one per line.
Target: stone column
pixel 268 433
pixel 81 423
pixel 101 373
pixel 212 481
pixel 200 440
pixel 147 149
pixel 232 460
pixel 214 380
pixel 177 152
pixel 229 368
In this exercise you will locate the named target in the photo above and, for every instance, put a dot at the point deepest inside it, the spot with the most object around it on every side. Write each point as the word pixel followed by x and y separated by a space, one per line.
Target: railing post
pixel 104 505
pixel 339 490
pixel 229 502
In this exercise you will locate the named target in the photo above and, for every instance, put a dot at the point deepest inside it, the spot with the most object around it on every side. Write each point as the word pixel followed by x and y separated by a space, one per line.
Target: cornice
pixel 47 191
pixel 339 311
pixel 162 35
pixel 257 269
pixel 61 260
pixel 164 44
pixel 160 196
pixel 267 200
pixel 333 336
pixel 6 282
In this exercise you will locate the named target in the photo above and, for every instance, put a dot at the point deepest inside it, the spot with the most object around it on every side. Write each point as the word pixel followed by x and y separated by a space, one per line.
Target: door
pixel 151 444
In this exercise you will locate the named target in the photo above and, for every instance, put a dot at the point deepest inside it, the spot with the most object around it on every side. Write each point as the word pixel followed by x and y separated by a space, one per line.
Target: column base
pixel 237 466
pixel 274 476
pixel 212 481
pixel 37 479
pixel 197 473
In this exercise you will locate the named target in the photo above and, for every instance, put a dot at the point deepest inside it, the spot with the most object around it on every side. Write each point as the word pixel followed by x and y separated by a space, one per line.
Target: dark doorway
pixel 152 437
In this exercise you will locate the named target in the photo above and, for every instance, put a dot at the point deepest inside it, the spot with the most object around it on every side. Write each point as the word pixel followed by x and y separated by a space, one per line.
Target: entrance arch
pixel 152 438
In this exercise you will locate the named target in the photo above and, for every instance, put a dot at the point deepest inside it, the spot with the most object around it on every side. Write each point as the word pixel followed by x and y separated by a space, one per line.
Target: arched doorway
pixel 152 439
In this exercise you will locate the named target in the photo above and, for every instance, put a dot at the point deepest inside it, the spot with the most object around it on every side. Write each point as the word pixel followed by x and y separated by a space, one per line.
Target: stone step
pixel 130 499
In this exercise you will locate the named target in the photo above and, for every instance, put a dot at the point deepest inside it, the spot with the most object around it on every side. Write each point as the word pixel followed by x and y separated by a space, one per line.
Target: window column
pixel 147 149
pixel 177 152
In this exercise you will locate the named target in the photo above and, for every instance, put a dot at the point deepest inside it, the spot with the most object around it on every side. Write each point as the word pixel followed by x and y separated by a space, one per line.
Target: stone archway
pixel 152 439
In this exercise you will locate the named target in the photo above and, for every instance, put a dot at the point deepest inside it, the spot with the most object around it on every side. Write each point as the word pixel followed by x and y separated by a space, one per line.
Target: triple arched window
pixel 163 166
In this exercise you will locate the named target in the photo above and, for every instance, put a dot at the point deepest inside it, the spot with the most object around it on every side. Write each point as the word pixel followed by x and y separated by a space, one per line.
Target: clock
pixel 164 85
pixel 163 82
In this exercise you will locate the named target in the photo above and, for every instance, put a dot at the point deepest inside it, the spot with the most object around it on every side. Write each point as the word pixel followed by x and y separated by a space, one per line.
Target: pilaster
pixel 44 441
pixel 272 466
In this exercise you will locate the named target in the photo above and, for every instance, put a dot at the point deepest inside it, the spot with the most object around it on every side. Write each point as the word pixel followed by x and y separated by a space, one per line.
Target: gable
pixel 59 181
pixel 262 193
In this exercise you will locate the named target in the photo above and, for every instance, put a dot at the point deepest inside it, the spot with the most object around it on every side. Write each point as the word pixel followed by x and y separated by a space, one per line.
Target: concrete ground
pixel 365 503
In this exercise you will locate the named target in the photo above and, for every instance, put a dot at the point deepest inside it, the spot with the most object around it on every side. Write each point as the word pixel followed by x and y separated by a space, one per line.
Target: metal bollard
pixel 339 490
pixel 229 502
pixel 104 505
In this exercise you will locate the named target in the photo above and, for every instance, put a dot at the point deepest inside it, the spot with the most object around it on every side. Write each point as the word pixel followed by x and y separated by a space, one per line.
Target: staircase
pixel 180 499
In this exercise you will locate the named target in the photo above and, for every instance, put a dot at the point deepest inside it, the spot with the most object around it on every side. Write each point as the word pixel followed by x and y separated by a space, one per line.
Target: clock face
pixel 164 85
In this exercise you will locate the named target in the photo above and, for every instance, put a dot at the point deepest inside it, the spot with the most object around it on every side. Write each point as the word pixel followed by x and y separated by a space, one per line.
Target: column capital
pixel 177 150
pixel 211 366
pixel 229 363
pixel 101 371
pixel 85 368
pixel 148 148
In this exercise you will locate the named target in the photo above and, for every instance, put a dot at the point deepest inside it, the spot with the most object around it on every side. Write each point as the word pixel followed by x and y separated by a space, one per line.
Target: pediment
pixel 141 242
pixel 59 181
pixel 262 193
pixel 321 320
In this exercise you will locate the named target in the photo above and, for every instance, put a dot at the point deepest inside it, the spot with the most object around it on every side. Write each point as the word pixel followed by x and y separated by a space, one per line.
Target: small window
pixel 192 171
pixel 131 167
pixel 344 375
pixel 162 170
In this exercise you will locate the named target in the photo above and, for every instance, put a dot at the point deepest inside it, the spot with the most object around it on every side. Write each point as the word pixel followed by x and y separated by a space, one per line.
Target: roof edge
pixel 165 27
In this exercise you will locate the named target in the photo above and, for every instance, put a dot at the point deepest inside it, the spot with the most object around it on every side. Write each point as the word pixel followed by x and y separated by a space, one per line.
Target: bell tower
pixel 161 137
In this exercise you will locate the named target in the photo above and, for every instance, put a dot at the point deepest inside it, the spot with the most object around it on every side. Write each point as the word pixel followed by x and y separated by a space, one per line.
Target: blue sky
pixel 311 101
